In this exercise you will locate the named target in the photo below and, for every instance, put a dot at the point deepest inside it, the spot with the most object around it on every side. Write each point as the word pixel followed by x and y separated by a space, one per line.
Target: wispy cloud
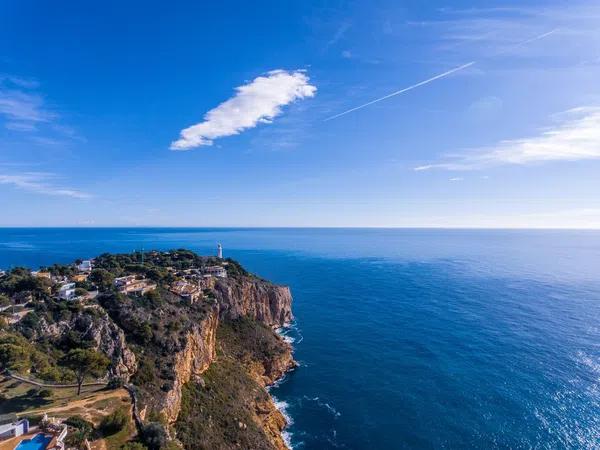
pixel 575 136
pixel 512 47
pixel 23 108
pixel 489 31
pixel 41 183
pixel 259 101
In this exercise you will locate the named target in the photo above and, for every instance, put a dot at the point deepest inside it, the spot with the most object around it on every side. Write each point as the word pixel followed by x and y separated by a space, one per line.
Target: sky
pixel 314 113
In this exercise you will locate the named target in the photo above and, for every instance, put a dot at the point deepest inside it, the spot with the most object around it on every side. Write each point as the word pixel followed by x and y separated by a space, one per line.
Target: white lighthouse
pixel 219 251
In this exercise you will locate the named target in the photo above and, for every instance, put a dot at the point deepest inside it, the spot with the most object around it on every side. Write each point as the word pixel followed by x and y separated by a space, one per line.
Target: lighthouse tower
pixel 219 251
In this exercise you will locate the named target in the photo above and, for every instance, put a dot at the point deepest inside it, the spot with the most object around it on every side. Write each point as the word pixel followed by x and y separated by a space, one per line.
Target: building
pixel 85 266
pixel 130 284
pixel 80 277
pixel 42 274
pixel 67 291
pixel 215 271
pixel 219 251
pixel 188 291
pixel 11 427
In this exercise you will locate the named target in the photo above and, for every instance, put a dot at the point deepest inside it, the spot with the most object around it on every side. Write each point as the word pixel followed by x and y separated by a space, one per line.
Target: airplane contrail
pixel 437 77
pixel 401 91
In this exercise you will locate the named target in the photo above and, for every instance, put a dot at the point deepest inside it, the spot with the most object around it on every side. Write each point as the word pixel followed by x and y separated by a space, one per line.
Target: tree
pixel 80 292
pixel 102 278
pixel 4 300
pixel 154 436
pixel 85 362
pixel 114 422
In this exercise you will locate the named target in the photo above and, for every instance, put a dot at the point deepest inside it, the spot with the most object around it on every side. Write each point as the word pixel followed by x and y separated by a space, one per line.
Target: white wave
pixel 283 406
pixel 287 439
pixel 323 404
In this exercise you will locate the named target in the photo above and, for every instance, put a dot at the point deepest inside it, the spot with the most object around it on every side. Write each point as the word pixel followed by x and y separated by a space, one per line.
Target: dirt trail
pixel 81 403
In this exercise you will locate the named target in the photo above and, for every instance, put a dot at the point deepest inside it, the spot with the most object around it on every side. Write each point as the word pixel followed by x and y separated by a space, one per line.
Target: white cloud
pixel 575 136
pixel 259 101
pixel 39 182
pixel 21 107
pixel 456 179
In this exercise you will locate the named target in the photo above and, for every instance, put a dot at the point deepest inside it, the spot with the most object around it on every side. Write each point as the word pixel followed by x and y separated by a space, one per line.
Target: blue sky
pixel 190 114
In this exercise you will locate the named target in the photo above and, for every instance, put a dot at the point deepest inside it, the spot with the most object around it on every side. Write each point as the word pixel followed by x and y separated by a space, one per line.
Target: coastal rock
pixel 273 423
pixel 191 362
pixel 256 299
pixel 110 340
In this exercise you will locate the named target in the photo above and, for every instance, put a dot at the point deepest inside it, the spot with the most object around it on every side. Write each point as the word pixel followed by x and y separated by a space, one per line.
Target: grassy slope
pixel 210 416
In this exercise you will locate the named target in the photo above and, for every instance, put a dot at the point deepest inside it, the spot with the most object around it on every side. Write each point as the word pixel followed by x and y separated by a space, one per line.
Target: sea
pixel 409 338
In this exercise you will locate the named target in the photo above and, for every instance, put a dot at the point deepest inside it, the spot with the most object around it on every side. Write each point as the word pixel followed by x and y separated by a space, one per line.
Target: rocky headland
pixel 192 338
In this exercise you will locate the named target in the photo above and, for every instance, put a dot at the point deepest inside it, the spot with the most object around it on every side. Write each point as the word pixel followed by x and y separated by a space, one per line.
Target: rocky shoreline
pixel 197 368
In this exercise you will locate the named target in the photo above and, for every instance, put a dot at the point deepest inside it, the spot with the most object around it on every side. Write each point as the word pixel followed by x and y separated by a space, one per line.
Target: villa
pixel 186 290
pixel 216 271
pixel 85 266
pixel 11 427
pixel 130 284
pixel 80 277
pixel 67 291
pixel 42 274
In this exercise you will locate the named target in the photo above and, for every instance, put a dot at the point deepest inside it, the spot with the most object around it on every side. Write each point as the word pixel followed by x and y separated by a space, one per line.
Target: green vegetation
pixel 114 422
pixel 84 363
pixel 16 396
pixel 211 415
pixel 48 339
pixel 81 430
pixel 249 341
pixel 219 413
pixel 133 446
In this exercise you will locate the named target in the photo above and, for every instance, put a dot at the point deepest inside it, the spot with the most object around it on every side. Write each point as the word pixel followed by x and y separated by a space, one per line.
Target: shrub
pixel 80 423
pixel 45 393
pixel 115 383
pixel 133 446
pixel 154 436
pixel 114 422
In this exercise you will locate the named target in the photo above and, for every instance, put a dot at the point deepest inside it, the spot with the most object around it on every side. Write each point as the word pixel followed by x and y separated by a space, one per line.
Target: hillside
pixel 189 337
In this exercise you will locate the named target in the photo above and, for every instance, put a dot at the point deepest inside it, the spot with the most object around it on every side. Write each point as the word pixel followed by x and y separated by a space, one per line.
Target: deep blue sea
pixel 410 338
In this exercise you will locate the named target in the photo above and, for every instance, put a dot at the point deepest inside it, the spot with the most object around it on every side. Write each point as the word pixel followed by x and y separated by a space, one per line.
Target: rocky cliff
pixel 100 333
pixel 197 371
pixel 199 352
pixel 256 299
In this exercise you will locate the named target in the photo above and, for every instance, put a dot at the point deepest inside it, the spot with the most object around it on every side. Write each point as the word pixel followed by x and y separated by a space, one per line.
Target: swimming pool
pixel 38 442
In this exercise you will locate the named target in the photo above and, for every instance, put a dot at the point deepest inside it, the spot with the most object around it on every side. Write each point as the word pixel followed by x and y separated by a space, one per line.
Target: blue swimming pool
pixel 38 442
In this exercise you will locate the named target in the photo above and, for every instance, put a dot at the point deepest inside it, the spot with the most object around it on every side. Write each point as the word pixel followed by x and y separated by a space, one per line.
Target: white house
pixel 14 429
pixel 67 291
pixel 215 271
pixel 85 266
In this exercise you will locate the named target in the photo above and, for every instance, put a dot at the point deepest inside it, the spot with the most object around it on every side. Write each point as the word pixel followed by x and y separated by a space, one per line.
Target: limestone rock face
pixel 273 422
pixel 197 355
pixel 110 340
pixel 256 299
pixel 104 335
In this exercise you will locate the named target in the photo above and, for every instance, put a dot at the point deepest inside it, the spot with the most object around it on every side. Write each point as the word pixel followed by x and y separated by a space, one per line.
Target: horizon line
pixel 289 227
